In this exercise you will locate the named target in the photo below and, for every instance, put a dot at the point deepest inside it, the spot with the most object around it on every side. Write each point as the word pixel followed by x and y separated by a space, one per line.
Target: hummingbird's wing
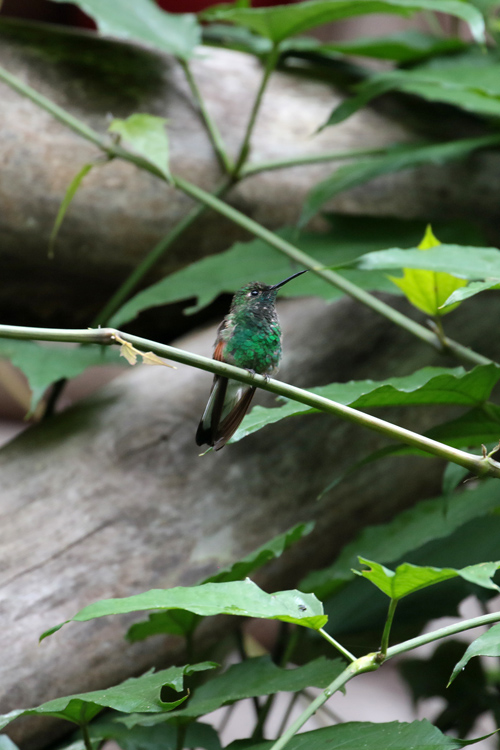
pixel 227 405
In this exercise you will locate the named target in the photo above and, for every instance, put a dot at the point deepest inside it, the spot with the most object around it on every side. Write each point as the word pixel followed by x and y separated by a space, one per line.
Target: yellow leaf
pixel 128 351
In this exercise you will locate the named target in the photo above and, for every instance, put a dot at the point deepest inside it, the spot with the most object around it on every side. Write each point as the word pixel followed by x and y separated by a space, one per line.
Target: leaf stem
pixel 387 629
pixel 210 124
pixel 482 466
pixel 297 161
pixel 271 61
pixel 86 737
pixel 366 663
pixel 337 645
pixel 435 635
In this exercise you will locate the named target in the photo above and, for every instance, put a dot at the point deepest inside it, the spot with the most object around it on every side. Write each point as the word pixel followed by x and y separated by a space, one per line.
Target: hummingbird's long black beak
pixel 281 283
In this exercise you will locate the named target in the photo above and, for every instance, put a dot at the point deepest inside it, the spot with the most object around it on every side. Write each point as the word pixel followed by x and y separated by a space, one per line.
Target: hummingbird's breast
pixel 253 341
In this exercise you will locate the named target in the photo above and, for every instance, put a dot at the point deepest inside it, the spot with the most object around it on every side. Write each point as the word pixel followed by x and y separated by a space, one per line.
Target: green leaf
pixel 466 262
pixel 68 197
pixel 488 644
pixel 135 694
pixel 459 295
pixel 347 239
pixel 428 290
pixel 163 737
pixel 249 679
pixel 184 623
pixel 398 159
pixel 44 365
pixel 401 47
pixel 148 138
pixel 430 520
pixel 144 21
pixel 407 578
pixel 280 22
pixel 361 735
pixel 243 598
pixel 430 385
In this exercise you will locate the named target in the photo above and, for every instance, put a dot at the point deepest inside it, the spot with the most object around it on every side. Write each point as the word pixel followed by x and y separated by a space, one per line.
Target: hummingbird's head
pixel 257 295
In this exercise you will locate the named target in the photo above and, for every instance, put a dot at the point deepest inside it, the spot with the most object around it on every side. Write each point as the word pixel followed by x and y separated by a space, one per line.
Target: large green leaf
pixel 401 47
pixel 470 82
pixel 43 365
pixel 347 239
pixel 398 159
pixel 361 735
pixel 280 22
pixel 163 737
pixel 466 262
pixel 184 623
pixel 243 598
pixel 148 138
pixel 488 644
pixel 430 385
pixel 136 694
pixel 249 679
pixel 144 21
pixel 407 578
pixel 429 520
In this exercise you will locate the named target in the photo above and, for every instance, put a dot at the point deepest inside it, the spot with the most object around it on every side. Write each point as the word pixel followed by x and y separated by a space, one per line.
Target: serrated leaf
pixel 407 578
pixel 428 290
pixel 242 598
pixel 430 385
pixel 68 197
pixel 430 520
pixel 488 644
pixel 135 694
pixel 148 138
pixel 249 679
pixel 44 365
pixel 361 735
pixel 398 159
pixel 280 22
pixel 184 623
pixel 144 21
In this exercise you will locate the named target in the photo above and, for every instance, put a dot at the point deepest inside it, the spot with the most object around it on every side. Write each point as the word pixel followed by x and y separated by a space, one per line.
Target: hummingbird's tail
pixel 227 405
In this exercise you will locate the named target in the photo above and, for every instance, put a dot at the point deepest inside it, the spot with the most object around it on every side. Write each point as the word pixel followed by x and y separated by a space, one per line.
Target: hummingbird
pixel 248 337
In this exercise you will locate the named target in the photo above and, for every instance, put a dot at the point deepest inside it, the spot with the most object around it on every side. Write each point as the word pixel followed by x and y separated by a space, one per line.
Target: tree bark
pixel 119 212
pixel 111 498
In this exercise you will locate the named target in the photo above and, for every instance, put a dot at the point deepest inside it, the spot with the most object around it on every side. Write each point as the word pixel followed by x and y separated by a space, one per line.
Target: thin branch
pixel 482 466
pixel 337 645
pixel 271 61
pixel 360 666
pixel 299 161
pixel 211 126
pixel 435 635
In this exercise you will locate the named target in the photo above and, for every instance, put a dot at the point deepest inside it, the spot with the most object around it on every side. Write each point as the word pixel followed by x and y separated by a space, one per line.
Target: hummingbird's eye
pixel 254 292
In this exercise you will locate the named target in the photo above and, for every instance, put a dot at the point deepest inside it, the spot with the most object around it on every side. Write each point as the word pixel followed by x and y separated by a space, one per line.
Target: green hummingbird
pixel 248 337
